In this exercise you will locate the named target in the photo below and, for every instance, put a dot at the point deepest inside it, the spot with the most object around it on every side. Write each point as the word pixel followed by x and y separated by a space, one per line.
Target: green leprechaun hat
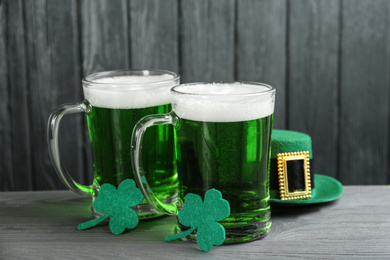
pixel 292 182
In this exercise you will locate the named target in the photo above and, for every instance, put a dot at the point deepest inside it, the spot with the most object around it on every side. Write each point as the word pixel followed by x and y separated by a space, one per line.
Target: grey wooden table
pixel 43 225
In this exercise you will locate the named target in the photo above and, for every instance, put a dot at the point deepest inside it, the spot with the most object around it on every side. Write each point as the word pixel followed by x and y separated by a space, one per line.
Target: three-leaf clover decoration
pixel 116 203
pixel 203 216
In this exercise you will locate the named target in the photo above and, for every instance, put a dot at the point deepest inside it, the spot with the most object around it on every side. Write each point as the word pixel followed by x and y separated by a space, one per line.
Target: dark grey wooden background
pixel 328 59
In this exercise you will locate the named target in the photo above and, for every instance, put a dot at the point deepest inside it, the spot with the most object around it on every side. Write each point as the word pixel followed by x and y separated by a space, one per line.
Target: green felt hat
pixel 292 182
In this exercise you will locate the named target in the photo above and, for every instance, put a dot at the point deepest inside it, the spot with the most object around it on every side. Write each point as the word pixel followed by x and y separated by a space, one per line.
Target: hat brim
pixel 326 189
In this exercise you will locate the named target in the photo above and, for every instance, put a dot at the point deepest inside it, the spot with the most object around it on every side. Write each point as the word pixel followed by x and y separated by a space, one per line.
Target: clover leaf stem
pixel 92 222
pixel 180 235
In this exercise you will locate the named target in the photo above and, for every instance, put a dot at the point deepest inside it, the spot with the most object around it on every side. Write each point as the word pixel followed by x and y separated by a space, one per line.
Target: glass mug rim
pixel 89 81
pixel 177 90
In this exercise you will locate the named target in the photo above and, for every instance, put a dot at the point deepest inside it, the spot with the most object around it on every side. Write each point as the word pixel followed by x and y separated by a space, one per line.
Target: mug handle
pixel 52 138
pixel 138 169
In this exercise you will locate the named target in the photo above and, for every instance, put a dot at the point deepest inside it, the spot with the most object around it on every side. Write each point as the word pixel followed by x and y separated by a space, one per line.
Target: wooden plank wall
pixel 328 59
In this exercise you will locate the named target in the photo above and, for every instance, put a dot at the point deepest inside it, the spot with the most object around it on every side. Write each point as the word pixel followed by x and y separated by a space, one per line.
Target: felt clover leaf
pixel 116 203
pixel 203 216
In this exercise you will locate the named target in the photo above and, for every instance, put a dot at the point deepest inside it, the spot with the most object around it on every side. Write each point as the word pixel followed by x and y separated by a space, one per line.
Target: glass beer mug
pixel 114 102
pixel 222 141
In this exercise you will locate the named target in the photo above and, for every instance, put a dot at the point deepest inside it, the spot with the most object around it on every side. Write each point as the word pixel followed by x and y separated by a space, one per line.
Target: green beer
pixel 222 141
pixel 228 156
pixel 110 144
pixel 116 102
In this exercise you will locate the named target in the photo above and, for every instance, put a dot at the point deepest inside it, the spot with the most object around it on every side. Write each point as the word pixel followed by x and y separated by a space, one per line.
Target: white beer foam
pixel 223 102
pixel 130 91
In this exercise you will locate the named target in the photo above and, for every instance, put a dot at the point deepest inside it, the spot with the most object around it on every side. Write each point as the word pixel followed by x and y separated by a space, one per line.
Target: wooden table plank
pixel 104 35
pixel 154 34
pixel 261 43
pixel 19 157
pixel 44 224
pixel 313 78
pixel 52 61
pixel 206 40
pixel 365 94
pixel 6 167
